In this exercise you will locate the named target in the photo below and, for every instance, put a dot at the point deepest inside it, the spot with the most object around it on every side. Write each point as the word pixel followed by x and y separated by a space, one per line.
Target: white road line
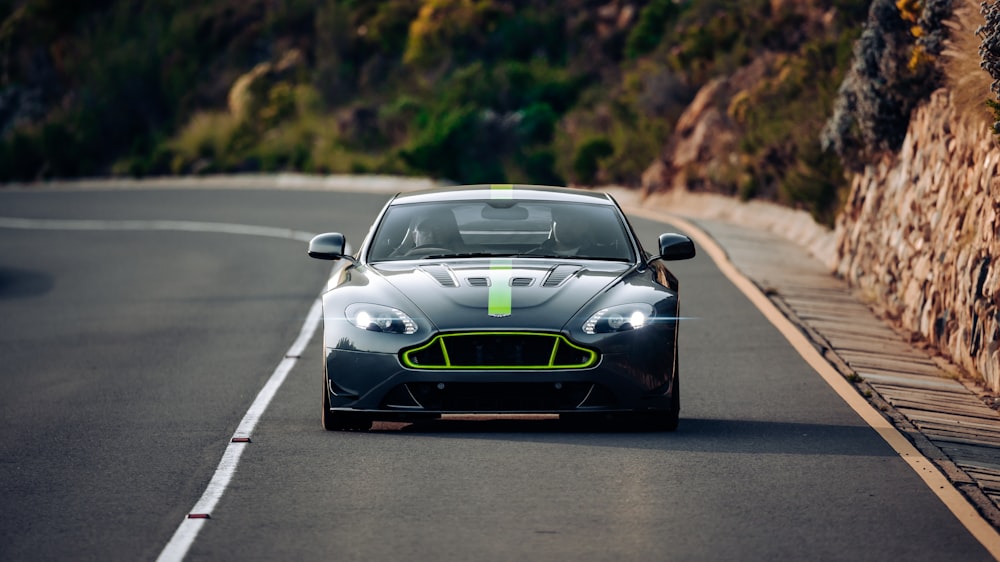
pixel 188 530
pixel 367 183
pixel 174 225
pixel 964 511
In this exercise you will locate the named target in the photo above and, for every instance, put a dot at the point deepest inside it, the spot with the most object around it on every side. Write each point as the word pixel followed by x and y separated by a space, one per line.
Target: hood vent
pixel 442 274
pixel 478 281
pixel 558 274
pixel 521 281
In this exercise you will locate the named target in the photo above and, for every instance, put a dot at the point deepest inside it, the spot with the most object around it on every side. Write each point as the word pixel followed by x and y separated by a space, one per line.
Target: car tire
pixel 661 420
pixel 342 421
pixel 672 418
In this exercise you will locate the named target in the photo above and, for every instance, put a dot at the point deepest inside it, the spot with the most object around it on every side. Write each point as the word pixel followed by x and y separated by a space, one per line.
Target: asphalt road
pixel 128 357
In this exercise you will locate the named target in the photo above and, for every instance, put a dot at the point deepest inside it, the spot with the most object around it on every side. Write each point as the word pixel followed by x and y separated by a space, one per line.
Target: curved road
pixel 130 352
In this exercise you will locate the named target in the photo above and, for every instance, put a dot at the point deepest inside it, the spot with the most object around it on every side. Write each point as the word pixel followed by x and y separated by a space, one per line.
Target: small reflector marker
pixel 198 516
pixel 240 440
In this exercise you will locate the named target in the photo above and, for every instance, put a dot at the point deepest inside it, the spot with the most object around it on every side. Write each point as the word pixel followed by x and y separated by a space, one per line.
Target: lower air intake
pixel 500 397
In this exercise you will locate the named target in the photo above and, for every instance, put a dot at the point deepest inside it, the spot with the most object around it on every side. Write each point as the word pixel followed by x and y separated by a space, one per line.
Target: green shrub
pixel 587 158
pixel 882 87
pixel 537 123
pixel 814 182
pixel 536 166
pixel 489 123
pixel 528 33
pixel 511 85
pixel 388 28
pixel 455 145
pixel 636 146
pixel 281 105
pixel 449 30
pixel 649 31
pixel 994 107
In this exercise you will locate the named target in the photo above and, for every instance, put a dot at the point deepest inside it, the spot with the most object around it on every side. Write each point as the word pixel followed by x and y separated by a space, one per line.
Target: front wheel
pixel 662 420
pixel 670 419
pixel 342 421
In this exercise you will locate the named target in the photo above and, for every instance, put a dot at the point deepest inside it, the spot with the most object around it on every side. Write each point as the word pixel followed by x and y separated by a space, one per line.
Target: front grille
pixel 499 350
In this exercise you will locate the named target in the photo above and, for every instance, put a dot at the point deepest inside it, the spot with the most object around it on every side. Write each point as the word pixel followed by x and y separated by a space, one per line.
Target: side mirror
pixel 675 247
pixel 329 246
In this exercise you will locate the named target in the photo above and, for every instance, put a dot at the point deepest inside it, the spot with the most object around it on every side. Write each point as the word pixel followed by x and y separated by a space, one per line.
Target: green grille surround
pixel 488 350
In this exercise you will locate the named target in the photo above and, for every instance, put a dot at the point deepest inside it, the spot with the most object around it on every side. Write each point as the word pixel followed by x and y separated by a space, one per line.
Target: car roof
pixel 503 191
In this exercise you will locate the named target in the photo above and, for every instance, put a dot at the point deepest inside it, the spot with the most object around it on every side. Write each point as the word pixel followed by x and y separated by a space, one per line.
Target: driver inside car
pixel 431 232
pixel 438 230
pixel 571 235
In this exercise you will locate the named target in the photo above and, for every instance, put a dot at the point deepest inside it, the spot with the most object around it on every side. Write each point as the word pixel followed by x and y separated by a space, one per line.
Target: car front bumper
pixel 619 382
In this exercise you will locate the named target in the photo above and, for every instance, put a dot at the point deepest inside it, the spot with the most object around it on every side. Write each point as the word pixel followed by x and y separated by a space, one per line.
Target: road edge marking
pixel 150 225
pixel 952 498
pixel 186 533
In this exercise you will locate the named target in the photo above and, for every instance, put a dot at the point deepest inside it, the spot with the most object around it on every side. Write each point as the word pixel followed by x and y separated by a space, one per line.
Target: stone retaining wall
pixel 920 237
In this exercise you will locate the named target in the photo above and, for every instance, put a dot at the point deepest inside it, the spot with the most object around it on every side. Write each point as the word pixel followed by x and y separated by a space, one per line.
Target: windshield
pixel 500 228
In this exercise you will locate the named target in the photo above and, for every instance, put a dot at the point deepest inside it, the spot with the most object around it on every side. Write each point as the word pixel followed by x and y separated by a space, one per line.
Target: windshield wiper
pixel 495 255
pixel 468 255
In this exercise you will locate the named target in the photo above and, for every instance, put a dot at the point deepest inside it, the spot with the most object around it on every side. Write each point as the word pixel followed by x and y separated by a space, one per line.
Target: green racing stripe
pixel 500 289
pixel 500 269
pixel 501 191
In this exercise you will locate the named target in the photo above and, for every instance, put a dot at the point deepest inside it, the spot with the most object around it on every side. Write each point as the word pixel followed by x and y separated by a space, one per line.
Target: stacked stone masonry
pixel 920 237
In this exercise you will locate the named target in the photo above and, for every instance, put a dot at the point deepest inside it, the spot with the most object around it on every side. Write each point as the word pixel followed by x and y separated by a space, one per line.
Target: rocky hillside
pixel 576 91
pixel 918 234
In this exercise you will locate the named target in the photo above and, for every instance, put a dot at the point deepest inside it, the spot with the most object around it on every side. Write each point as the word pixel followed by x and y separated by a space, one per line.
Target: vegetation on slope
pixel 574 91
pixel 895 67
pixel 989 50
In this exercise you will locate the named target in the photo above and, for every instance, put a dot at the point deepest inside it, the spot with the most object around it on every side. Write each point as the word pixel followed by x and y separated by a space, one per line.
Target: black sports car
pixel 500 299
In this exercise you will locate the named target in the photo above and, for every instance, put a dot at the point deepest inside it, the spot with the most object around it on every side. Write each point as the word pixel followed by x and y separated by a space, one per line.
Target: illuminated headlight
pixel 619 318
pixel 378 318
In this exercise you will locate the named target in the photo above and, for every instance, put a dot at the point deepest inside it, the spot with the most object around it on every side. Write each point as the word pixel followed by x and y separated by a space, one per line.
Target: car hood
pixel 500 293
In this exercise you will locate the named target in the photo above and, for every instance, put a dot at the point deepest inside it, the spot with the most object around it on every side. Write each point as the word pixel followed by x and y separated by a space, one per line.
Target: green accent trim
pixel 499 299
pixel 557 340
pixel 444 352
pixel 502 191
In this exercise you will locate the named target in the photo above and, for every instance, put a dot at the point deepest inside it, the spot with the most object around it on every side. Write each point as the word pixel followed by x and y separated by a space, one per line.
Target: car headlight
pixel 379 318
pixel 619 318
